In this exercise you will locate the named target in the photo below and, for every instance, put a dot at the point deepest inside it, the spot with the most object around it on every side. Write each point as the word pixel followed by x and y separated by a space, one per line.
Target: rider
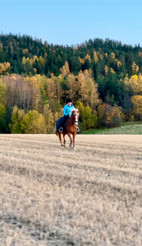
pixel 67 110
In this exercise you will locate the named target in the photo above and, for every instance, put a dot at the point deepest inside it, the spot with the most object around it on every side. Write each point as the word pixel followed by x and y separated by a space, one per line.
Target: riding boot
pixel 61 129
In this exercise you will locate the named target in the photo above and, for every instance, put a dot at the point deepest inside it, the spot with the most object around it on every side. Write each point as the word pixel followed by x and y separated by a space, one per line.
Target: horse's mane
pixel 75 111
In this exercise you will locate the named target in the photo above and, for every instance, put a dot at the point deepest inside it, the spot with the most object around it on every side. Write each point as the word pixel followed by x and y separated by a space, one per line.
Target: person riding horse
pixel 67 110
pixel 68 125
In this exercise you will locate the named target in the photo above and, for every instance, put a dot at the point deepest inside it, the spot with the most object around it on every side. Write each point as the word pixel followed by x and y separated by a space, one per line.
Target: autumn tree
pixel 4 67
pixel 51 88
pixel 65 70
pixel 88 118
pixel 17 117
pixel 134 84
pixel 135 67
pixel 3 123
pixel 87 89
pixel 137 106
pixel 3 90
pixel 42 82
pixel 49 118
pixel 95 57
pixel 110 116
pixel 71 83
pixel 36 94
pixel 59 90
pixel 33 123
pixel 19 92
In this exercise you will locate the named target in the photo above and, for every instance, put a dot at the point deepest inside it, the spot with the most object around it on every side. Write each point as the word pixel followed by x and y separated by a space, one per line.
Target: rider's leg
pixel 65 120
pixel 59 124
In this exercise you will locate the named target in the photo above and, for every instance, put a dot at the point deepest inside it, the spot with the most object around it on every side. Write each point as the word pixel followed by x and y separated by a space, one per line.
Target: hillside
pixel 99 55
pixel 103 79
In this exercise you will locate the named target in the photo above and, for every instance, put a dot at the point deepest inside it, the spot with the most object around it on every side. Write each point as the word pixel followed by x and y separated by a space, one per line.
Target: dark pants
pixel 61 122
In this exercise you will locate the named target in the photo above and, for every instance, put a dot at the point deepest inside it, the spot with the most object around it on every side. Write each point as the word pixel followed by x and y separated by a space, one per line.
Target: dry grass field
pixel 53 196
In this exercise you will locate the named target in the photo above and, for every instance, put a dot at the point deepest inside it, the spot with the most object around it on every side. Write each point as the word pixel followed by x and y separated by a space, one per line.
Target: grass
pixel 53 196
pixel 127 128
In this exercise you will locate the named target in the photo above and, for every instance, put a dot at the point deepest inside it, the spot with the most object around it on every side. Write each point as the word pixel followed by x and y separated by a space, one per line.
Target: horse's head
pixel 75 115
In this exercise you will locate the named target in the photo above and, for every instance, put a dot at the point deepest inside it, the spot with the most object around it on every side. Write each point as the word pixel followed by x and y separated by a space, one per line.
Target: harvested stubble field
pixel 53 196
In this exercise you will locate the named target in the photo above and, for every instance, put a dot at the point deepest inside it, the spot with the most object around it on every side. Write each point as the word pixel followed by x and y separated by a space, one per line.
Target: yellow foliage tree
pixel 4 67
pixel 112 70
pixel 112 55
pixel 87 88
pixel 49 119
pixel 59 91
pixel 134 84
pixel 36 98
pixel 87 117
pixel 24 60
pixel 33 123
pixel 95 56
pixel 135 67
pixel 17 117
pixel 110 116
pixel 83 89
pixel 82 61
pixel 106 68
pixel 42 61
pixel 51 88
pixel 119 63
pixel 3 90
pixel 72 86
pixel 137 106
pixel 65 70
pixel 88 57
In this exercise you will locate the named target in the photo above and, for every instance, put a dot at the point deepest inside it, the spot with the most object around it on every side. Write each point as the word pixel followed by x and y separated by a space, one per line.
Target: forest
pixel 103 78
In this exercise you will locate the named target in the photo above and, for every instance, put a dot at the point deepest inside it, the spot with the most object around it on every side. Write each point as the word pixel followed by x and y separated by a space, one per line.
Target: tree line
pixel 27 56
pixel 32 104
pixel 103 78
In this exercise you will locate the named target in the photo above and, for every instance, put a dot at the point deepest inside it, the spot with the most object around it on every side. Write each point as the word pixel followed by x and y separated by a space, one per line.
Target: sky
pixel 71 22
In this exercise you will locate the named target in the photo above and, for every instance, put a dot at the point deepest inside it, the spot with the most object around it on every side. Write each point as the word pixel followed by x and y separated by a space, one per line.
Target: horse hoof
pixel 62 146
pixel 70 145
pixel 74 148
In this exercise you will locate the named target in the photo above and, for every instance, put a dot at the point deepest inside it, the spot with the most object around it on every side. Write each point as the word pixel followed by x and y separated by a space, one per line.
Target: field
pixel 53 196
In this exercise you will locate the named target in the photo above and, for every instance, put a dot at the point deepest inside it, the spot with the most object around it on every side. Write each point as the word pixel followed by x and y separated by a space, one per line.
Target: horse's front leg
pixel 74 135
pixel 69 135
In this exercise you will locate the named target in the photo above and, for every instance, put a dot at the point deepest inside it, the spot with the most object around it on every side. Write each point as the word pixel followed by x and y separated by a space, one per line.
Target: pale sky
pixel 70 22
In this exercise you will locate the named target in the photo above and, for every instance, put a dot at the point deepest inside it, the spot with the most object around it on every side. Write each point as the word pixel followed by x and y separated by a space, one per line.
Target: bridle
pixel 76 120
pixel 76 114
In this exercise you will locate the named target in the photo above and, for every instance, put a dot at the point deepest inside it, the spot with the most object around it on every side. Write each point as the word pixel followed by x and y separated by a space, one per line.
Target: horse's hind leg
pixel 60 138
pixel 64 140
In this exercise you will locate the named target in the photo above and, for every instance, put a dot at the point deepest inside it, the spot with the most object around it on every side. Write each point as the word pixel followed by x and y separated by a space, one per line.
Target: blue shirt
pixel 68 109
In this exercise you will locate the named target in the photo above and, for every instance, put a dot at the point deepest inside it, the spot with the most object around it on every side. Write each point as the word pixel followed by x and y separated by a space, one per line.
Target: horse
pixel 70 129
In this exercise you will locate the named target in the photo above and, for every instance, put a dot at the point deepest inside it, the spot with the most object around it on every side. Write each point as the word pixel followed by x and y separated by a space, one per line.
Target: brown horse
pixel 70 129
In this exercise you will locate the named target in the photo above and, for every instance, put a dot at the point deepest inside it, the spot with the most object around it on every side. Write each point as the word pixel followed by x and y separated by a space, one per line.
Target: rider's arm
pixel 65 111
